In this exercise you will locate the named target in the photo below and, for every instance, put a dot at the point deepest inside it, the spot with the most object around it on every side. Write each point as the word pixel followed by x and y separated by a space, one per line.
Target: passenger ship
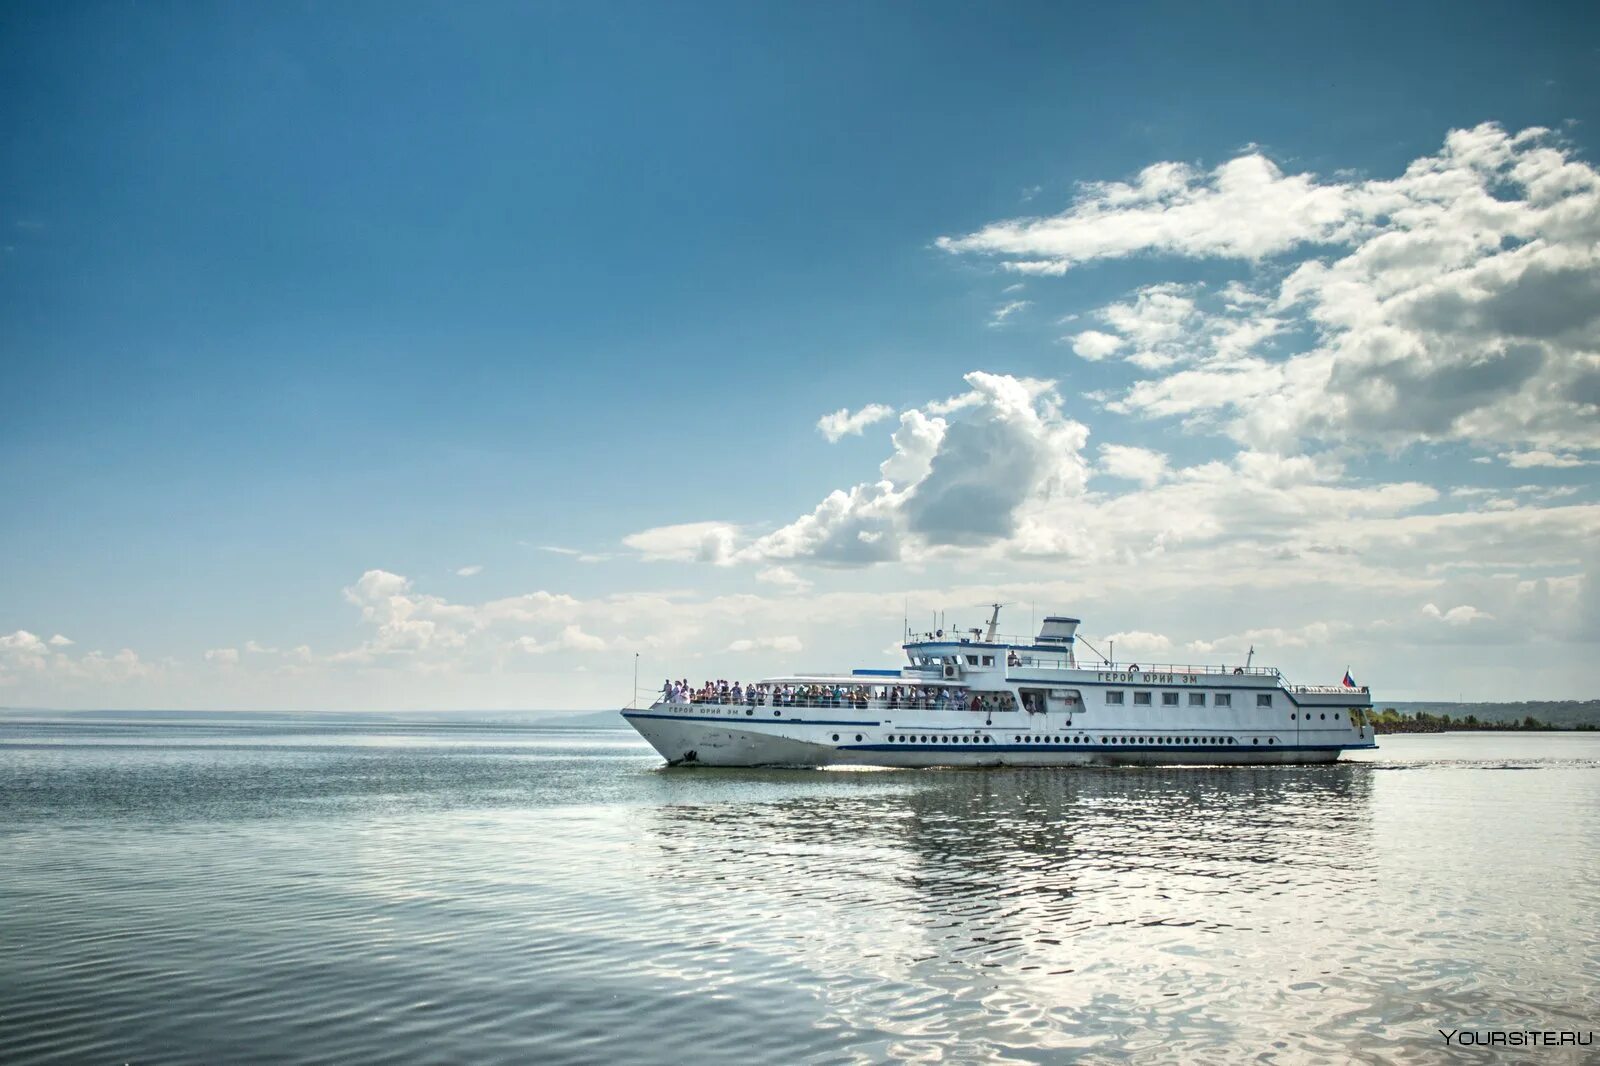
pixel 982 700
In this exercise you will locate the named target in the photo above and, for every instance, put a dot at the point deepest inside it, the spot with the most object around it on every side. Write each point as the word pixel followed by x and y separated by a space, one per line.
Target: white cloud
pixel 59 641
pixel 956 481
pixel 573 638
pixel 1134 464
pixel 1459 300
pixel 780 644
pixel 1006 310
pixel 223 656
pixel 23 650
pixel 1246 208
pixel 1463 615
pixel 573 553
pixel 255 648
pixel 1094 345
pixel 845 422
pixel 784 578
pixel 469 571
pixel 701 542
pixel 915 444
pixel 1540 457
pixel 1136 643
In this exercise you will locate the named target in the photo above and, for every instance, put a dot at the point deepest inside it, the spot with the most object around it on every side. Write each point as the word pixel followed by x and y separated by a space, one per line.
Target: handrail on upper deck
pixel 1325 690
pixel 875 703
pixel 1187 668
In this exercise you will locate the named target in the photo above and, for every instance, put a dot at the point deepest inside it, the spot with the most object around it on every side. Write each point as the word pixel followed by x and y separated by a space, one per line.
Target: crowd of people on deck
pixel 925 697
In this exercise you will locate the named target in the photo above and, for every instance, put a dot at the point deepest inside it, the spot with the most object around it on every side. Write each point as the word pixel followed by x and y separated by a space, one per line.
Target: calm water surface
pixel 216 892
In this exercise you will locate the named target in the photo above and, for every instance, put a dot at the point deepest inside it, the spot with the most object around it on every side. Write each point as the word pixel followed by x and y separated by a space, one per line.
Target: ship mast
pixel 994 620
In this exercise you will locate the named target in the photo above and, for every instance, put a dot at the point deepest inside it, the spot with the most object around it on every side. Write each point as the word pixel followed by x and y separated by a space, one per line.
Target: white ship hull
pixel 690 735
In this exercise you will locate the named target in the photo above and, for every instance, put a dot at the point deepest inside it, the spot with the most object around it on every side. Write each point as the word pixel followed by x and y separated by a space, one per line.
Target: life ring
pixel 1238 669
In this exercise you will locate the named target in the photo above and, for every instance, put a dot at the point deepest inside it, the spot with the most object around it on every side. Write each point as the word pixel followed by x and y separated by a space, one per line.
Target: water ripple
pixel 201 895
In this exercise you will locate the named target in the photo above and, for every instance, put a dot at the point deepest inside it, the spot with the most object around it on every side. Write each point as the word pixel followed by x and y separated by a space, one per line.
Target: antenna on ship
pixel 635 701
pixel 1249 658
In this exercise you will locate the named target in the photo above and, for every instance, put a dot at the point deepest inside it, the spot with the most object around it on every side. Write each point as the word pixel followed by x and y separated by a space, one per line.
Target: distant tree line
pixel 1391 720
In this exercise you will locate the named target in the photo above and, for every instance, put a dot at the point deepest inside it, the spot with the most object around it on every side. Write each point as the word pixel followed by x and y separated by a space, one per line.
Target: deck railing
pixel 873 704
pixel 1185 668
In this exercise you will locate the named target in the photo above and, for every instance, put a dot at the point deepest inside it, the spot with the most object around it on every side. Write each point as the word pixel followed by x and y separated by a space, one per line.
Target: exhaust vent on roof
pixel 1057 630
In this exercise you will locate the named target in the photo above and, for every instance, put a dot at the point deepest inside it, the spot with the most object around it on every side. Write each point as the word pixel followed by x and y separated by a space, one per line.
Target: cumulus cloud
pixel 23 650
pixel 1463 615
pixel 1133 464
pixel 223 656
pixel 469 571
pixel 1094 345
pixel 1459 300
pixel 571 638
pixel 1136 643
pixel 959 480
pixel 845 422
pixel 26 658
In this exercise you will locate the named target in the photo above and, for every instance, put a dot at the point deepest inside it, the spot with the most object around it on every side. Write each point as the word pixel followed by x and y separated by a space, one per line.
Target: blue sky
pixel 295 293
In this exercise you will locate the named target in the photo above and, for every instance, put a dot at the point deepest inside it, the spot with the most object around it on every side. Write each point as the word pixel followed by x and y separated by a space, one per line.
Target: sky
pixel 430 356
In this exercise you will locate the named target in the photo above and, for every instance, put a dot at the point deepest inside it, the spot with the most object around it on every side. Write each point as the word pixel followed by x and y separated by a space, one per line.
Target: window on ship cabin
pixel 1113 697
pixel 1141 699
pixel 972 660
pixel 1169 699
pixel 1224 699
pixel 988 660
pixel 1197 699
pixel 1263 699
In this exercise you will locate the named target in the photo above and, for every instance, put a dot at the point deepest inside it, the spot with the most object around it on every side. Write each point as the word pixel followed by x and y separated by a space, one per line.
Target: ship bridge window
pixel 1224 699
pixel 1197 699
pixel 1263 699
pixel 1113 696
pixel 972 660
pixel 1169 699
pixel 1141 699
pixel 988 660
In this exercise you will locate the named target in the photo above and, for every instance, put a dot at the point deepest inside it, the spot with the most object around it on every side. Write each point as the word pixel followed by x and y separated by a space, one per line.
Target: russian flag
pixel 1349 682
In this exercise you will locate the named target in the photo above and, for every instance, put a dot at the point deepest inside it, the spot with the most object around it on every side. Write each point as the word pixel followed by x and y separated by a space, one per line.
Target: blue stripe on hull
pixel 1193 748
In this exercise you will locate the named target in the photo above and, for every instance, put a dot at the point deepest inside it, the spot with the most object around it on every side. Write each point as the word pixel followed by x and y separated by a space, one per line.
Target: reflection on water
pixel 398 894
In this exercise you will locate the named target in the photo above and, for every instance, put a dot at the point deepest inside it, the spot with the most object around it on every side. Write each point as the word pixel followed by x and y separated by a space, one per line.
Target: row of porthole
pixel 1324 716
pixel 905 739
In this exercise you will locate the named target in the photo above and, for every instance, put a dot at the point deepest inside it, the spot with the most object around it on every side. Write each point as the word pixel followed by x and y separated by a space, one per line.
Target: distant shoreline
pixel 1445 724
